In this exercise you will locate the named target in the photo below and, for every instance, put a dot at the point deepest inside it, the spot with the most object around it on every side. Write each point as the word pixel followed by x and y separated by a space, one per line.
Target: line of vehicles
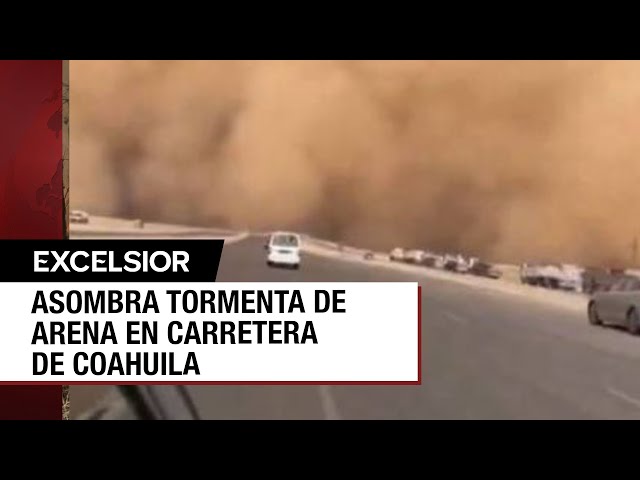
pixel 575 278
pixel 450 262
pixel 614 294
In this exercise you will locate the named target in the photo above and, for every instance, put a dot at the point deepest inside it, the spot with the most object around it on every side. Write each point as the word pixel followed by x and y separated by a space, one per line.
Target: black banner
pixel 148 260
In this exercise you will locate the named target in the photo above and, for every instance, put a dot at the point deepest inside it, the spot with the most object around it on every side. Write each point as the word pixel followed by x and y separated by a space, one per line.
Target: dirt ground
pixel 84 397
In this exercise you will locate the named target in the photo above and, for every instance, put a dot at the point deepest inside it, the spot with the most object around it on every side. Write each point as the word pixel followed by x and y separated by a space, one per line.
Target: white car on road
pixel 415 256
pixel 562 276
pixel 283 249
pixel 397 255
pixel 78 216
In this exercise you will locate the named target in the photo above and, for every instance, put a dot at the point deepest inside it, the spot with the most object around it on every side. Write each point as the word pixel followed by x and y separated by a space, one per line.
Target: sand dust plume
pixel 510 160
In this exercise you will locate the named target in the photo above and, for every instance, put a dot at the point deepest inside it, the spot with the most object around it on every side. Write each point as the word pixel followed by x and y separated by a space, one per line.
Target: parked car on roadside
pixel 484 269
pixel 455 263
pixel 397 255
pixel 414 256
pixel 619 306
pixel 432 260
pixel 595 279
pixel 552 275
pixel 78 216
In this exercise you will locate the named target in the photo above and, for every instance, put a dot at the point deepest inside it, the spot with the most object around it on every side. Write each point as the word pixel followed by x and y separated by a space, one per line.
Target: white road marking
pixel 329 406
pixel 623 396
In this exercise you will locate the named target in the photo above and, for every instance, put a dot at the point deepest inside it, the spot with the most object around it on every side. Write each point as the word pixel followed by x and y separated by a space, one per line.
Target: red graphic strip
pixel 31 190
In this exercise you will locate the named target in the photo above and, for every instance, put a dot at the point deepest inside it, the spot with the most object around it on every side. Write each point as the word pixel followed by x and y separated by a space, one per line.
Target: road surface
pixel 486 355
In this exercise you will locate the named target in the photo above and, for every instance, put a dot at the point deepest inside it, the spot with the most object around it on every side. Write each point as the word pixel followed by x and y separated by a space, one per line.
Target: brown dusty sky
pixel 511 160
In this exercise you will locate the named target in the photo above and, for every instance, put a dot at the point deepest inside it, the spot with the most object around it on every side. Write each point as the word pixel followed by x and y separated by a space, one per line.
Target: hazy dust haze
pixel 512 160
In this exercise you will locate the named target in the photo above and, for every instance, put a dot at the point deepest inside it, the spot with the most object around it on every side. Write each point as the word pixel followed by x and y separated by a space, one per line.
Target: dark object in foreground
pixel 287 266
pixel 145 402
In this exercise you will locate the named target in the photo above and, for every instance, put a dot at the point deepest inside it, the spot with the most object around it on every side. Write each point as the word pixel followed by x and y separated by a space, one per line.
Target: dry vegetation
pixel 66 404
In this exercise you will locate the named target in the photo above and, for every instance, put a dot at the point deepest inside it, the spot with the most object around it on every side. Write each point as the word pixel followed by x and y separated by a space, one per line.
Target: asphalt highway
pixel 486 355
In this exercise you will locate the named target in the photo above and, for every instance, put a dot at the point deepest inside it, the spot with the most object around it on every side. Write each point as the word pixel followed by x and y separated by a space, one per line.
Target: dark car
pixel 484 269
pixel 429 261
pixel 602 280
pixel 451 263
